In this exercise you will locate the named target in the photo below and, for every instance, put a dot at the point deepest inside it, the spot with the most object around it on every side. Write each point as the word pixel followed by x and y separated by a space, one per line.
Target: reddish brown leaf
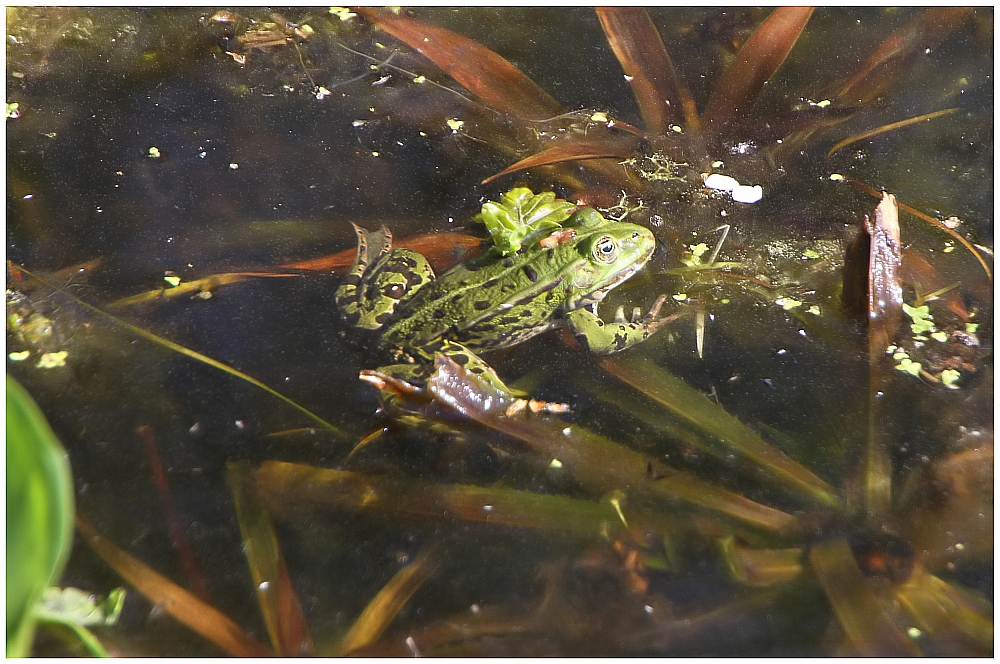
pixel 389 601
pixel 179 603
pixel 279 603
pixel 662 96
pixel 481 71
pixel 760 57
pixel 443 250
pixel 178 537
pixel 615 149
pixel 927 30
pixel 925 279
pixel 775 127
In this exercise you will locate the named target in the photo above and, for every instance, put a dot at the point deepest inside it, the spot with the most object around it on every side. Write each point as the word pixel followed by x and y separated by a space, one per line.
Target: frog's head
pixel 610 253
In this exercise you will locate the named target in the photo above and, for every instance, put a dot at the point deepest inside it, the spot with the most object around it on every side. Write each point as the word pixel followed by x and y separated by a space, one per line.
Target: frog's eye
pixel 606 249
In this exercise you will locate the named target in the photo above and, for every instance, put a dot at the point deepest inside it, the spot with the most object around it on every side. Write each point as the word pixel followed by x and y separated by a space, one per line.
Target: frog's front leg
pixel 603 338
pixel 375 286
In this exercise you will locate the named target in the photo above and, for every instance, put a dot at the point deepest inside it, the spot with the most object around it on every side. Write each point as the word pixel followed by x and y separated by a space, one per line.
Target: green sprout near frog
pixel 521 216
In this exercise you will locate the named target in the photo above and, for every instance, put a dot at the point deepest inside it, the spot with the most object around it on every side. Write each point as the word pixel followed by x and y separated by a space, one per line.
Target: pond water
pixel 149 149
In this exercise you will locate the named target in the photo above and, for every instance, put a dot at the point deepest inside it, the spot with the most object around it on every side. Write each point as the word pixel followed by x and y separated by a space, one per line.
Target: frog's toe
pixel 654 310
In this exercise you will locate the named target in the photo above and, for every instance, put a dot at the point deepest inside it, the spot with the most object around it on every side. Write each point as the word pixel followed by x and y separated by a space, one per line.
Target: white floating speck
pixel 556 463
pixel 721 182
pixel 19 356
pixel 748 194
pixel 233 166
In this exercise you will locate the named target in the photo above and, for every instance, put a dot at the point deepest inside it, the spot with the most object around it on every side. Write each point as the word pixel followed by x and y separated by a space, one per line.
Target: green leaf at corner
pixel 39 514
pixel 519 214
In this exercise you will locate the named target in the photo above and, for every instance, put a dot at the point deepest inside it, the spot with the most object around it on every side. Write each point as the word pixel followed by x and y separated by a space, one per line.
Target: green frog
pixel 493 301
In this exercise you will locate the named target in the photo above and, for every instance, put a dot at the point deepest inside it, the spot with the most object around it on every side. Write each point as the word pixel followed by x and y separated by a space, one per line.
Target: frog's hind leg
pixel 475 365
pixel 348 296
pixel 373 289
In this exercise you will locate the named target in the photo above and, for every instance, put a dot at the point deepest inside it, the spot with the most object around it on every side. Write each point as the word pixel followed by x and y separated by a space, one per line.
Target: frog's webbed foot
pixel 602 338
pixel 650 319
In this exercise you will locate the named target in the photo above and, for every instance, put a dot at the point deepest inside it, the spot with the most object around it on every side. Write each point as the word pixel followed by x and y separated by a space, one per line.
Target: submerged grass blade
pixel 878 72
pixel 596 462
pixel 383 608
pixel 278 600
pixel 761 567
pixel 177 536
pixel 179 603
pixel 692 406
pixel 884 128
pixel 863 616
pixel 288 485
pixel 947 612
pixel 735 92
pixel 443 250
pixel 204 359
pixel 576 151
pixel 478 69
pixel 203 285
pixel 648 68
